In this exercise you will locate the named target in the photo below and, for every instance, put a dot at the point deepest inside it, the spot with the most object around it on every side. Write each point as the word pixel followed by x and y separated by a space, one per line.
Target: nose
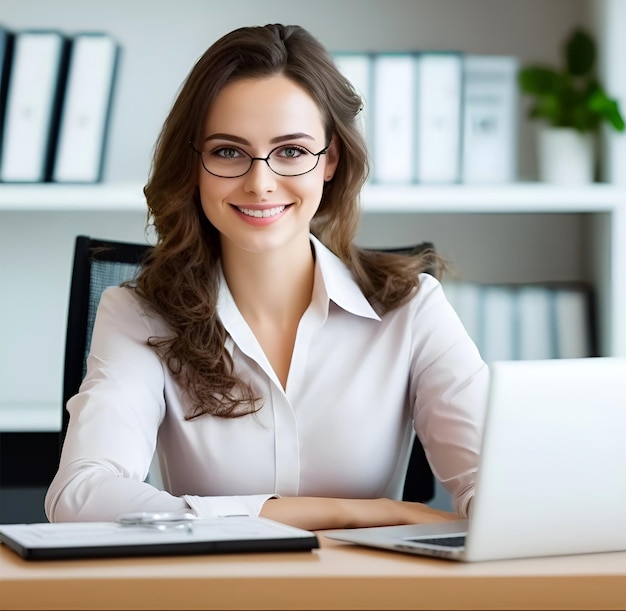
pixel 260 178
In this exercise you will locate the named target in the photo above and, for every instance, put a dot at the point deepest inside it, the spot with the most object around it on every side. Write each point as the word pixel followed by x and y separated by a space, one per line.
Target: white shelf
pixel 30 417
pixel 62 197
pixel 510 198
pixel 517 197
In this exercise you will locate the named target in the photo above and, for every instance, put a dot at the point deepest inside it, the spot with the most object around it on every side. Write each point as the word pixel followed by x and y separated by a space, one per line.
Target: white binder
pixel 33 103
pixel 393 109
pixel 536 332
pixel 573 322
pixel 466 299
pixel 84 119
pixel 498 338
pixel 490 106
pixel 356 67
pixel 439 89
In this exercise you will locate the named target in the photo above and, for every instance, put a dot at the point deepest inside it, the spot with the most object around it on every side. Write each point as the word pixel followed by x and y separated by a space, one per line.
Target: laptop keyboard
pixel 456 541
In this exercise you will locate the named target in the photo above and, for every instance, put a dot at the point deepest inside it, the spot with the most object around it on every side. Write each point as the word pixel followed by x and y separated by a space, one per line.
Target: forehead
pixel 264 107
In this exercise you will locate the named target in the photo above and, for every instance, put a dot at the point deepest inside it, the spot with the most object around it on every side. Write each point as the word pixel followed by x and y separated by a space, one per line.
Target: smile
pixel 262 213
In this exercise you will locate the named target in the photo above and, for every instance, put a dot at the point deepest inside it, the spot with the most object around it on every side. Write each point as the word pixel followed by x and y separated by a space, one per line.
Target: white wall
pixel 36 252
pixel 609 17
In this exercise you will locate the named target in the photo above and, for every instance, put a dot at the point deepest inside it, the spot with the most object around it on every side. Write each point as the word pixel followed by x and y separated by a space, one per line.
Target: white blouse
pixel 342 427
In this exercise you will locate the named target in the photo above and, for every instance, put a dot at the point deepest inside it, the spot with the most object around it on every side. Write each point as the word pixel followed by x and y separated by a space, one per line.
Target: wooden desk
pixel 337 576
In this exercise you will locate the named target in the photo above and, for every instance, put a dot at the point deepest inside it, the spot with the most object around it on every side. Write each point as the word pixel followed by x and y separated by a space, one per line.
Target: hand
pixel 317 513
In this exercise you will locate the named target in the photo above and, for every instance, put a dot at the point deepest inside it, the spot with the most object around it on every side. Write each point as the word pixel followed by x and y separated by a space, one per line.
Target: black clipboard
pixel 233 534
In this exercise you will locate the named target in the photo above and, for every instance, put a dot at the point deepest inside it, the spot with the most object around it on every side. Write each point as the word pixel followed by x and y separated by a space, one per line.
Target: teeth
pixel 262 213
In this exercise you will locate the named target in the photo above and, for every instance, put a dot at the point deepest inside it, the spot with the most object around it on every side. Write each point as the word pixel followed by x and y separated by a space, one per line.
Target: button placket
pixel 286 444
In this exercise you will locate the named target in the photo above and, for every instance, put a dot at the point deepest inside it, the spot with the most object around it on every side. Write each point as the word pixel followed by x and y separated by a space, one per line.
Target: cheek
pixel 212 194
pixel 310 189
pixel 212 187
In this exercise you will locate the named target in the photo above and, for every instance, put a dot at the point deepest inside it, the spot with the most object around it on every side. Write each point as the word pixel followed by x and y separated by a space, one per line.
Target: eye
pixel 290 152
pixel 227 152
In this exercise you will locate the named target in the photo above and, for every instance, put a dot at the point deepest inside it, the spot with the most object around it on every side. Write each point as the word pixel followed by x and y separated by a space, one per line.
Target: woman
pixel 276 368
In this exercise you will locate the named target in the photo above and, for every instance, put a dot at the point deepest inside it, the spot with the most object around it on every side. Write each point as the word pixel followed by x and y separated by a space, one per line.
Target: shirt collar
pixel 338 283
pixel 333 282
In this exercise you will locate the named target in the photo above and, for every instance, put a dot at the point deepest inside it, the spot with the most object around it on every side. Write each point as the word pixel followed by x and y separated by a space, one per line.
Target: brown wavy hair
pixel 180 277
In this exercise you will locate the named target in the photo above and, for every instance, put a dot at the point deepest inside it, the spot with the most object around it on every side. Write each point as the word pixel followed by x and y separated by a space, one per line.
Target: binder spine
pixel 57 106
pixel 108 113
pixel 7 41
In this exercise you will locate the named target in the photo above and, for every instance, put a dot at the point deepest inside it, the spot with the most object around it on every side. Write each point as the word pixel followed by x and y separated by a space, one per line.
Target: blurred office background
pixel 506 236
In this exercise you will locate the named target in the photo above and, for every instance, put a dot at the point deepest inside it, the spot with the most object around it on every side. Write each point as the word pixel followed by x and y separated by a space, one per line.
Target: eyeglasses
pixel 284 160
pixel 158 521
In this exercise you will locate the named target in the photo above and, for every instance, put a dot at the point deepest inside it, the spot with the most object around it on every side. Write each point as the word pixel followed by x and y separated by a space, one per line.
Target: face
pixel 262 211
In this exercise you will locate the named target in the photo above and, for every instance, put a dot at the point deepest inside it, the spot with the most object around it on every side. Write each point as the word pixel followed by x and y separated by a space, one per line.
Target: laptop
pixel 552 473
pixel 154 534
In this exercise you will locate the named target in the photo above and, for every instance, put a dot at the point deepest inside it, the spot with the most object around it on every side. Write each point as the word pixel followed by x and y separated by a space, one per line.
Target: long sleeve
pixel 449 387
pixel 114 423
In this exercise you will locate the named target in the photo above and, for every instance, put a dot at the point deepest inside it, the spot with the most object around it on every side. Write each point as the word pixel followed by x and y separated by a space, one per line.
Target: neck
pixel 273 286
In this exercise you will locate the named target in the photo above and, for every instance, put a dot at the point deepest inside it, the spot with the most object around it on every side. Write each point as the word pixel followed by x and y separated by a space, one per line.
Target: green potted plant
pixel 571 105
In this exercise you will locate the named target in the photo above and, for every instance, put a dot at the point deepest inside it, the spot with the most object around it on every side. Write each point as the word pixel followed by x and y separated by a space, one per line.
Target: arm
pixel 114 421
pixel 449 388
pixel 312 513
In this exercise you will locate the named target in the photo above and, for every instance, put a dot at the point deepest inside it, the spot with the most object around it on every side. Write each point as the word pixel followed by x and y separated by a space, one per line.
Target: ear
pixel 331 158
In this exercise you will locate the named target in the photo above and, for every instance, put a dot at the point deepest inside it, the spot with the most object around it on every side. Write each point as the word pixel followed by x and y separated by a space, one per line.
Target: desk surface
pixel 338 575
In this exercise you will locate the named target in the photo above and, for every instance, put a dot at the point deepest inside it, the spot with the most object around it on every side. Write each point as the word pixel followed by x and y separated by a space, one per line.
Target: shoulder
pixel 122 298
pixel 427 293
pixel 124 304
pixel 428 288
pixel 430 309
pixel 434 321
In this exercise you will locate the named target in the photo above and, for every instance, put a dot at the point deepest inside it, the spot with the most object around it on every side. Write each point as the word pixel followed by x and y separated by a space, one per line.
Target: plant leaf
pixel 584 119
pixel 607 108
pixel 580 53
pixel 538 80
pixel 548 108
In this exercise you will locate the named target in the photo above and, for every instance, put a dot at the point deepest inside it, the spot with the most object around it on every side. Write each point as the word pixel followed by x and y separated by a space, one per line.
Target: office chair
pixel 99 264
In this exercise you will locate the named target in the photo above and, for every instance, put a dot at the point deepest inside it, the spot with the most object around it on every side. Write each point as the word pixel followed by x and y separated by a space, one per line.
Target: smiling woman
pixel 258 339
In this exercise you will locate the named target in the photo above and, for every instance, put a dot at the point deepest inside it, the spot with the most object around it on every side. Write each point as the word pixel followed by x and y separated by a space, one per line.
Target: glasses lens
pixel 292 160
pixel 226 162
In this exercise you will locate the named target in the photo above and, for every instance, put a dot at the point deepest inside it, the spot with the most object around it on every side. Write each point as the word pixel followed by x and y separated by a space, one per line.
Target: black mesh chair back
pixel 99 264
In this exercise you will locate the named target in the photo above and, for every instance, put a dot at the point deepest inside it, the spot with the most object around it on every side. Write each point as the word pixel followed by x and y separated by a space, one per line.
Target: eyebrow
pixel 275 140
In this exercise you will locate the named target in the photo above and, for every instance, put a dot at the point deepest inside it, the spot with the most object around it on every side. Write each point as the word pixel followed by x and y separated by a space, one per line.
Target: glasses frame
pixel 158 520
pixel 266 159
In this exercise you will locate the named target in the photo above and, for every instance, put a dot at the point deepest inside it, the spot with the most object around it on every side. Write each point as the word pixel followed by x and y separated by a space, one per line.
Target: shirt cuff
pixel 463 505
pixel 224 506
